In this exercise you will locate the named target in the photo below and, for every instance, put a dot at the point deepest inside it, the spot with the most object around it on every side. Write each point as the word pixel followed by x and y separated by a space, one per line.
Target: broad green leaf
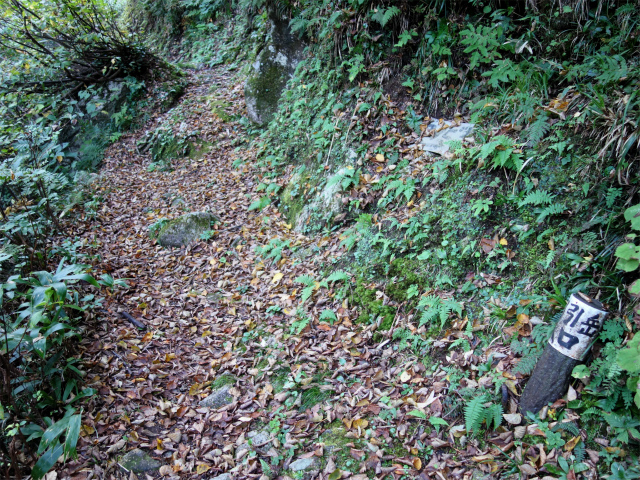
pixel 634 288
pixel 46 462
pixel 629 357
pixel 632 214
pixel 418 413
pixel 627 251
pixel 628 265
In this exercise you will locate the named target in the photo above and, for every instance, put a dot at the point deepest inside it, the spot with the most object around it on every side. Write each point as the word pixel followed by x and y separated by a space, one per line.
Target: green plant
pixel 628 254
pixel 478 411
pixel 629 360
pixel 434 307
pixel 38 323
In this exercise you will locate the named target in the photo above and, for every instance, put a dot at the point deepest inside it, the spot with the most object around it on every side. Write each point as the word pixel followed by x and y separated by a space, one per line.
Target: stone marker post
pixel 568 346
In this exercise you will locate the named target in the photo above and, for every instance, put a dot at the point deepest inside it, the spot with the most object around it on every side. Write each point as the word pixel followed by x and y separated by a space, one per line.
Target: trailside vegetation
pixel 71 78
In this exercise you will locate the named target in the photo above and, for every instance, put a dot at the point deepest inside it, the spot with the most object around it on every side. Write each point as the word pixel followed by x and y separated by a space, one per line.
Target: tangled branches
pixel 70 44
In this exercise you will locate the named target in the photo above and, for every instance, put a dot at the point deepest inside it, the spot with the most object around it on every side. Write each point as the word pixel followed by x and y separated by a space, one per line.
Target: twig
pixel 136 323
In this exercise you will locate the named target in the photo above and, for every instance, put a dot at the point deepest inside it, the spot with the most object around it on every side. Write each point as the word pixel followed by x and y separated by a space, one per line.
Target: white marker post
pixel 572 339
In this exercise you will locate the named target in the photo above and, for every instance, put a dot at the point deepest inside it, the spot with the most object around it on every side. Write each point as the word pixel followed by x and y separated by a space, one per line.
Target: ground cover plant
pixel 362 308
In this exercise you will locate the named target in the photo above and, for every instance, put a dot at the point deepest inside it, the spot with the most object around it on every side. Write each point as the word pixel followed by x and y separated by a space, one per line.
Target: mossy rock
pixel 185 229
pixel 272 69
pixel 138 461
pixel 219 398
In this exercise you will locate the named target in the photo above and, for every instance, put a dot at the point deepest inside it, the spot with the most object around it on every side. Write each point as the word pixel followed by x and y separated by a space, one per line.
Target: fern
pixel 539 197
pixel 555 209
pixel 493 415
pixel 612 196
pixel 569 427
pixel 310 286
pixel 538 129
pixel 383 16
pixel 338 276
pixel 527 363
pixel 436 308
pixel 476 413
pixel 549 259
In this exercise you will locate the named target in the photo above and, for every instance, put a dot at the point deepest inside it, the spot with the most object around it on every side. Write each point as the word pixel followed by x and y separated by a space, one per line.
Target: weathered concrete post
pixel 568 346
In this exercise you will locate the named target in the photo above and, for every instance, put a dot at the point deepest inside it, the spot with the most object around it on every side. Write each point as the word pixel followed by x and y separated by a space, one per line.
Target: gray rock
pixel 185 229
pixel 137 461
pixel 224 476
pixel 259 442
pixel 303 464
pixel 327 203
pixel 219 398
pixel 272 69
pixel 437 143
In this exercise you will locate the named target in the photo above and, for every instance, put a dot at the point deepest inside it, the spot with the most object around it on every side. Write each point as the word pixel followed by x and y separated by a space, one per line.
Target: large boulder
pixel 273 67
pixel 184 230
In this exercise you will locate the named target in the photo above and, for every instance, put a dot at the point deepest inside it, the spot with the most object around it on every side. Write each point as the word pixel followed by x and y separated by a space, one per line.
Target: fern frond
pixel 554 209
pixel 569 427
pixel 539 197
pixel 474 413
pixel 338 276
pixel 538 129
pixel 493 415
pixel 305 280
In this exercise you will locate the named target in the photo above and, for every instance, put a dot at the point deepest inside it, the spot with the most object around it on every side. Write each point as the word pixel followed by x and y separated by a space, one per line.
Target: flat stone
pixel 219 398
pixel 303 464
pixel 445 132
pixel 138 461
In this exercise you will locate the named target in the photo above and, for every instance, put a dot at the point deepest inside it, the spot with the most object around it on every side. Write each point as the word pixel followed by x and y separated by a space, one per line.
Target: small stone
pixel 137 461
pixel 259 442
pixel 438 143
pixel 224 476
pixel 303 464
pixel 219 398
pixel 185 229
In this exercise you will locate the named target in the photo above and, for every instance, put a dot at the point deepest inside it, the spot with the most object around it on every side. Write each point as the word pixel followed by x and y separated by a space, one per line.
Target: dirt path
pixel 222 319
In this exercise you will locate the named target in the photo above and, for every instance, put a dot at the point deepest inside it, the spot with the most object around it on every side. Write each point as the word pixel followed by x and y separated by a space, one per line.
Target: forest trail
pixel 222 320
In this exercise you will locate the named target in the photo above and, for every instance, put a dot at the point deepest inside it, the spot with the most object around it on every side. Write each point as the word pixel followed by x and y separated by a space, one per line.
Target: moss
pixel 313 396
pixel 371 307
pixel 218 108
pixel 293 198
pixel 265 87
pixel 336 444
pixel 226 379
pixel 279 379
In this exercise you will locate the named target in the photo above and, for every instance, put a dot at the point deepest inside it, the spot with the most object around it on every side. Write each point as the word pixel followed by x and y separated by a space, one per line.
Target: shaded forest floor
pixel 326 400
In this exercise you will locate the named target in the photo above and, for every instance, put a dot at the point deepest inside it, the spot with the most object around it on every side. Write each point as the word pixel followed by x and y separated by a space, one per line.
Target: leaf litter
pixel 219 319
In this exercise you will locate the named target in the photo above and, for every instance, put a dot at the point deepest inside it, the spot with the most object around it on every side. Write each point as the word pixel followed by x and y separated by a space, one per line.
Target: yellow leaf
pixel 277 277
pixel 405 377
pixel 360 423
pixel 571 444
pixel 200 469
pixel 503 241
pixel 380 157
pixel 335 475
pixel 417 463
pixel 195 388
